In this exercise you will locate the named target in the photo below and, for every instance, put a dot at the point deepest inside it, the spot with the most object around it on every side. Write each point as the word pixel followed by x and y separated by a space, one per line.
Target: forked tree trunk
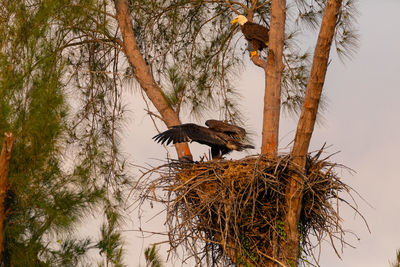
pixel 143 74
pixel 5 157
pixel 305 126
pixel 273 77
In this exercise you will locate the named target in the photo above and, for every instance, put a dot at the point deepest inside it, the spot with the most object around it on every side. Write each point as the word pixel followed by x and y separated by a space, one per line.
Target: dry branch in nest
pixel 226 211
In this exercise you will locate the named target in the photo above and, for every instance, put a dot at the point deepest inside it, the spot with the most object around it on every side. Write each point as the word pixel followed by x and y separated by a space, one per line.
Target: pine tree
pixel 396 263
pixel 152 257
pixel 65 161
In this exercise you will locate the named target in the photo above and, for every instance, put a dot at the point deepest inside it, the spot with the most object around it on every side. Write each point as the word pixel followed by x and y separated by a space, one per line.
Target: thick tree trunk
pixel 5 157
pixel 273 77
pixel 143 74
pixel 306 124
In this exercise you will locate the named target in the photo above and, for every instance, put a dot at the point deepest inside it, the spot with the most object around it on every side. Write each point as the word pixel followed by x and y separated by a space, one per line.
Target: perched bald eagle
pixel 220 136
pixel 256 34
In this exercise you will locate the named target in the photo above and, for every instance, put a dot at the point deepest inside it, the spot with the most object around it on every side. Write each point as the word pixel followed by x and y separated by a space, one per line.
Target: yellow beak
pixel 235 21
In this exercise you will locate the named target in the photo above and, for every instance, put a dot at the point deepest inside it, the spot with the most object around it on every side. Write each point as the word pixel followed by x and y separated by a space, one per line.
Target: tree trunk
pixel 143 74
pixel 306 124
pixel 5 157
pixel 273 75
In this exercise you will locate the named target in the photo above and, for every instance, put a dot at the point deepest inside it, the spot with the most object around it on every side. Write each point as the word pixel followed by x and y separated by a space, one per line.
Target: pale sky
pixel 362 121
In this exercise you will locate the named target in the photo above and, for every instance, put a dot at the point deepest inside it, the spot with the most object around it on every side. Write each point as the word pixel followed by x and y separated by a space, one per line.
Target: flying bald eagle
pixel 256 34
pixel 220 136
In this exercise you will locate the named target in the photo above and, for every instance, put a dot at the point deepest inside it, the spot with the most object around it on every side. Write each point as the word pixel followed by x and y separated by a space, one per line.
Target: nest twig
pixel 227 211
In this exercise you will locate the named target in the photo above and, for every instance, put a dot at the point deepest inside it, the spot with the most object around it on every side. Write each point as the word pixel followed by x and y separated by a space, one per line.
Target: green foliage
pixel 153 259
pixel 280 229
pixel 396 263
pixel 191 41
pixel 247 253
pixel 177 87
pixel 346 37
pixel 62 168
pixel 71 251
pixel 110 243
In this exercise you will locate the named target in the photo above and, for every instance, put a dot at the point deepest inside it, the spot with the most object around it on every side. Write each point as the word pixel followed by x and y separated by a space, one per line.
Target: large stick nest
pixel 226 211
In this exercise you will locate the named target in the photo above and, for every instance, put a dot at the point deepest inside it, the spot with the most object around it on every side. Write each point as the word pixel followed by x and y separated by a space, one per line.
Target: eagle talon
pixel 254 53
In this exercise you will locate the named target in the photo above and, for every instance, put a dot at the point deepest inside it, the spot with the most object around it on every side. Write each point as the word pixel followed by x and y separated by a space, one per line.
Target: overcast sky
pixel 362 122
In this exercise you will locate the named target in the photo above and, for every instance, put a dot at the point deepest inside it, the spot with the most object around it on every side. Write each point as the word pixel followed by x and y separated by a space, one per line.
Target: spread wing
pixel 229 129
pixel 190 132
pixel 255 31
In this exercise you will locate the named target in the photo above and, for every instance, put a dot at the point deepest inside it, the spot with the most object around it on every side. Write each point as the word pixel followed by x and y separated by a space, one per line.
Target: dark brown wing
pixel 229 129
pixel 190 132
pixel 254 31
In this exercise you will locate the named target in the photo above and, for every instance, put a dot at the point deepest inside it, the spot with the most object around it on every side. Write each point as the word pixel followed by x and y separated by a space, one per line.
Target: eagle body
pixel 256 34
pixel 220 136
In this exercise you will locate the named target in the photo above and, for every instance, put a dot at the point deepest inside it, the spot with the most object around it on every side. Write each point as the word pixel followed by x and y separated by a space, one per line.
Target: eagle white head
pixel 241 20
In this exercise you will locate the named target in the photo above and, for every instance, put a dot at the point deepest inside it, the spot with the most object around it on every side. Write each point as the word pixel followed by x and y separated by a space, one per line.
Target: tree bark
pixel 143 74
pixel 305 126
pixel 273 77
pixel 5 157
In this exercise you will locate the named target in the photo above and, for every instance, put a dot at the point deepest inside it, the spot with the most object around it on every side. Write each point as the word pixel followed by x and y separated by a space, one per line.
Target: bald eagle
pixel 256 34
pixel 220 136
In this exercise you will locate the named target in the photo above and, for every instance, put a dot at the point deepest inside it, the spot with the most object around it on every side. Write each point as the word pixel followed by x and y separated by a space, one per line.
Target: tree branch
pixel 259 62
pixel 273 81
pixel 231 7
pixel 315 84
pixel 5 157
pixel 143 74
pixel 305 126
pixel 263 4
